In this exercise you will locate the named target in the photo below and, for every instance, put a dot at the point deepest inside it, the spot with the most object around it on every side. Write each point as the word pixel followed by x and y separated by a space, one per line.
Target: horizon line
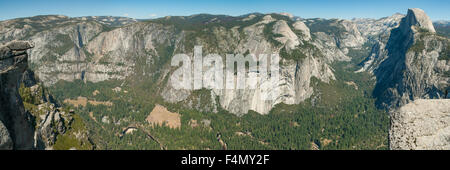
pixel 151 18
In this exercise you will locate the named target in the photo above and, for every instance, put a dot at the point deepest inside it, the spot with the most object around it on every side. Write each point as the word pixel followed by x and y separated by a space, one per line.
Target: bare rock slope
pixel 422 124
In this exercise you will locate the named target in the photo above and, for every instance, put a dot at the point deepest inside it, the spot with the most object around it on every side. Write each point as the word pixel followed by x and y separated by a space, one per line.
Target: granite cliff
pixel 16 124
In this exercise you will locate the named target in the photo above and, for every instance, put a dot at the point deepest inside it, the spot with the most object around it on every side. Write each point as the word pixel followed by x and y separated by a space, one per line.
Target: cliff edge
pixel 15 123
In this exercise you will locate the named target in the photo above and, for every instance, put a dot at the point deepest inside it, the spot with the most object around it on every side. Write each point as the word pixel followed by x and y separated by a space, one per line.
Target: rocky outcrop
pixel 300 26
pixel 421 125
pixel 53 122
pixel 17 125
pixel 5 139
pixel 18 122
pixel 288 37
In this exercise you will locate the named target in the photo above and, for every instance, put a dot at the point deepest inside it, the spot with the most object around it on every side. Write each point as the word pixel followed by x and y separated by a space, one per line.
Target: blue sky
pixel 346 9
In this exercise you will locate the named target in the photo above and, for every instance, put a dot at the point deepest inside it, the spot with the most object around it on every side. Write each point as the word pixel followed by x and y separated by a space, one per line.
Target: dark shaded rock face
pixel 18 122
pixel 29 78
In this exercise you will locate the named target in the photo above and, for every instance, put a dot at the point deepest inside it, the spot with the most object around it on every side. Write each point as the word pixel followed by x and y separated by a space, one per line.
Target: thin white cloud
pixel 153 15
pixel 126 15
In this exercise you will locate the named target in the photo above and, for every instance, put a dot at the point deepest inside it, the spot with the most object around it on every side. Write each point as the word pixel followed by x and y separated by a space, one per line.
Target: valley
pixel 104 83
